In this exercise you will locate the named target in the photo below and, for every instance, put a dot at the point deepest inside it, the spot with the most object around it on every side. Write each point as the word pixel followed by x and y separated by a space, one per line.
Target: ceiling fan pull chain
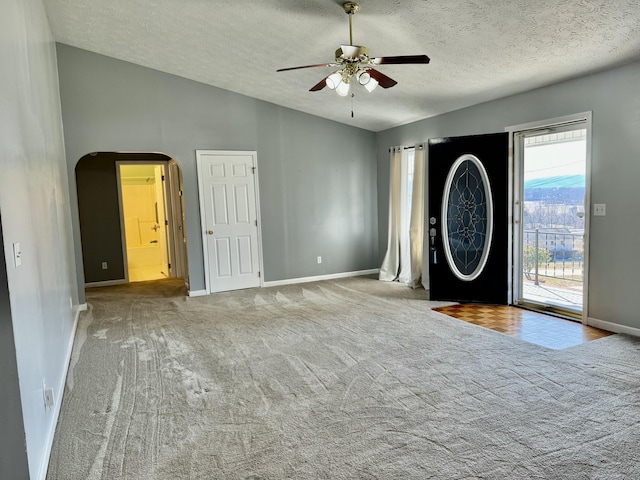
pixel 352 95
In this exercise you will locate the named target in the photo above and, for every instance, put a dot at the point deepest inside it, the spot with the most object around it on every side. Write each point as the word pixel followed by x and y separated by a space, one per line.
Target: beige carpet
pixel 334 380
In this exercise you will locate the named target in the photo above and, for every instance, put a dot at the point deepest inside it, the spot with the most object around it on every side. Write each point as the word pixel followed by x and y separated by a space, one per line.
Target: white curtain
pixel 391 263
pixel 416 225
pixel 403 261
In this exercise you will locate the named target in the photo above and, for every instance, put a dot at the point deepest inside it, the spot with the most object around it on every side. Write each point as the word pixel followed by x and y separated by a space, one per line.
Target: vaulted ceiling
pixel 480 50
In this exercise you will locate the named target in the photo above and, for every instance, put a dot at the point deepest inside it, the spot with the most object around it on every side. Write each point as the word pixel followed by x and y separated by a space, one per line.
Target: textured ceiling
pixel 479 49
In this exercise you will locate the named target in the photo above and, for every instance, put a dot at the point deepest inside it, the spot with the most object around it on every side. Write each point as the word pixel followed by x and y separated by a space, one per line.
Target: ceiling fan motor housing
pixel 354 53
pixel 352 57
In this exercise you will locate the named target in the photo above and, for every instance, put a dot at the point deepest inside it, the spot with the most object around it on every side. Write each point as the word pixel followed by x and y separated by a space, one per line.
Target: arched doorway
pixel 132 220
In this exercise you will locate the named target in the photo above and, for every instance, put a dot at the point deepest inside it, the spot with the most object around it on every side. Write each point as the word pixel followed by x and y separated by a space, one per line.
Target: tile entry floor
pixel 533 327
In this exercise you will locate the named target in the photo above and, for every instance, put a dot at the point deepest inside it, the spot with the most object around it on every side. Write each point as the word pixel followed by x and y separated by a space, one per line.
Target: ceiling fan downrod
pixel 350 8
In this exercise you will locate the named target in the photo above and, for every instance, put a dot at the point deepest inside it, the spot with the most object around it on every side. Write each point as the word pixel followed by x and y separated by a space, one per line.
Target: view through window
pixel 553 219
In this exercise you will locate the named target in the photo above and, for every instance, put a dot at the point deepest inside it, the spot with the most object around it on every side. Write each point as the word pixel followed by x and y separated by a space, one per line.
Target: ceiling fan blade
pixel 319 86
pixel 307 66
pixel 383 80
pixel 402 59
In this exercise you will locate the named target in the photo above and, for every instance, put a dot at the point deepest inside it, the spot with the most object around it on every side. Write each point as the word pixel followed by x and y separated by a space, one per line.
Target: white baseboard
pixel 197 293
pixel 42 475
pixel 613 327
pixel 331 276
pixel 106 283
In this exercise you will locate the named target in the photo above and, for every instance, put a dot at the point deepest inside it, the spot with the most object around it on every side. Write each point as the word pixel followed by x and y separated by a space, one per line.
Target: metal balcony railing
pixel 553 255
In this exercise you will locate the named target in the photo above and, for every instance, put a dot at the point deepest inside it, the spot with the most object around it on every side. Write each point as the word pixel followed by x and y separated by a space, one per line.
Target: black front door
pixel 468 218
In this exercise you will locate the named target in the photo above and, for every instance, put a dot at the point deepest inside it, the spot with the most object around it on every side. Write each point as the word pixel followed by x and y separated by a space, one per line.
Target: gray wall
pixel 13 453
pixel 317 177
pixel 34 205
pixel 613 97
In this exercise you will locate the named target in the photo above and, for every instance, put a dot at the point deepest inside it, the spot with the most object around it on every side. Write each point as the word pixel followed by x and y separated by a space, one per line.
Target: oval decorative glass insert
pixel 467 217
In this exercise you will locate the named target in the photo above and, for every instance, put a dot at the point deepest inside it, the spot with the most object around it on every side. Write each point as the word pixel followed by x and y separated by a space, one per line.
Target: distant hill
pixel 562 181
pixel 563 189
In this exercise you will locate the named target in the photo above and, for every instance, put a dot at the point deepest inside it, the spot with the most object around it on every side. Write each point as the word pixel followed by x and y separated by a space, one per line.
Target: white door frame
pixel 178 232
pixel 203 226
pixel 168 206
pixel 583 117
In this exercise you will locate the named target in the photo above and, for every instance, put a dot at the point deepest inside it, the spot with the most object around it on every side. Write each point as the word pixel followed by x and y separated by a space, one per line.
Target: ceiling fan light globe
pixel 343 88
pixel 364 77
pixel 371 85
pixel 334 80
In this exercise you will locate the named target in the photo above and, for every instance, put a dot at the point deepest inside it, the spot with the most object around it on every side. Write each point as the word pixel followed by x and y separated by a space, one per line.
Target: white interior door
pixel 229 216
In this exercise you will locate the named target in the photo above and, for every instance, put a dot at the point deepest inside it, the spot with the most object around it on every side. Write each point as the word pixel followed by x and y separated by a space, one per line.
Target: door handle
pixel 432 236
pixel 210 232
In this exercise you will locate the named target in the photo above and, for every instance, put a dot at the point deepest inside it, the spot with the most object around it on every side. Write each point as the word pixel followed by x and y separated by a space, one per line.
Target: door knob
pixel 210 232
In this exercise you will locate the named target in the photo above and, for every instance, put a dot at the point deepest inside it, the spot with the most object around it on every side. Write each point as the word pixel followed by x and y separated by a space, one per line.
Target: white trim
pixel 551 122
pixel 123 234
pixel 512 172
pixel 203 223
pixel 169 230
pixel 613 327
pixel 256 191
pixel 317 278
pixel 176 194
pixel 198 293
pixel 558 122
pixel 42 474
pixel 587 222
pixel 105 283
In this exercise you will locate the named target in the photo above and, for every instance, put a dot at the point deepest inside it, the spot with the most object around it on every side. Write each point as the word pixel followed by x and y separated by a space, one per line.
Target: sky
pixel 554 159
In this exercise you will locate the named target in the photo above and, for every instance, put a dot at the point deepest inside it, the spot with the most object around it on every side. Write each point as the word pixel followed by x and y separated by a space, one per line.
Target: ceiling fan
pixel 354 63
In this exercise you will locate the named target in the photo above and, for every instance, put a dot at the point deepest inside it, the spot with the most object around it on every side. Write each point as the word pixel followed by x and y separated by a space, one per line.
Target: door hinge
pixel 163 178
pixel 259 274
pixel 180 193
pixel 169 266
pixel 256 223
pixel 253 169
pixel 166 222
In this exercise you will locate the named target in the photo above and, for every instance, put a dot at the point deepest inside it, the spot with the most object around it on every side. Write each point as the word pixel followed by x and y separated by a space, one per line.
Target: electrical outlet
pixel 319 259
pixel 104 265
pixel 47 393
pixel 17 254
pixel 599 209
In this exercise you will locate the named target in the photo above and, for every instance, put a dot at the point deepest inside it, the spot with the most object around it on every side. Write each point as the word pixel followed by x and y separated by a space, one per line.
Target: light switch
pixel 17 254
pixel 599 209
